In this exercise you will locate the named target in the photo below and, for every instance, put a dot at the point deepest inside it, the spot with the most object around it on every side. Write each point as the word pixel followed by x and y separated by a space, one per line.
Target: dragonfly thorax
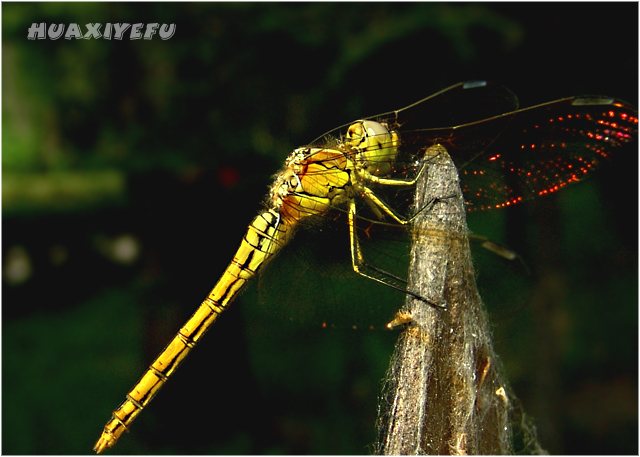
pixel 313 181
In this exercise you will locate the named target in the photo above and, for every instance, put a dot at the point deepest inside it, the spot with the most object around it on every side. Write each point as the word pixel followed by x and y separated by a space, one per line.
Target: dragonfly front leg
pixel 429 153
pixel 370 177
pixel 365 176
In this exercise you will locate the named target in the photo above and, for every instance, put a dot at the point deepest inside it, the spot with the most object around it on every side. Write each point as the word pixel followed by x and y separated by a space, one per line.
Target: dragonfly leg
pixel 371 197
pixel 377 205
pixel 391 181
pixel 394 182
pixel 363 269
pixel 430 152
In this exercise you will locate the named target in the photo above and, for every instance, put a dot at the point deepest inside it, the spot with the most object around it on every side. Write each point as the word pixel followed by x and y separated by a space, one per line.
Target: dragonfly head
pixel 376 146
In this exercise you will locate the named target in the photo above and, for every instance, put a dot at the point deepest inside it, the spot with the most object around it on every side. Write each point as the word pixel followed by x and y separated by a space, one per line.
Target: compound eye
pixel 366 134
pixel 374 129
pixel 376 147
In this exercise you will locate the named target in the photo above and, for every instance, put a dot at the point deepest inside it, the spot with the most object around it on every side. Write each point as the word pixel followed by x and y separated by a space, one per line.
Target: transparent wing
pixel 503 155
pixel 459 104
pixel 530 152
pixel 509 156
pixel 312 282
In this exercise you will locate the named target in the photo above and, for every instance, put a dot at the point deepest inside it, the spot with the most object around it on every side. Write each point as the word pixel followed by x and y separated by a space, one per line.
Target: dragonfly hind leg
pixel 374 273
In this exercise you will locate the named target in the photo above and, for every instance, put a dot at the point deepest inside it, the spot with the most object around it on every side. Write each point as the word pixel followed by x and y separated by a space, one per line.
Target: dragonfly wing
pixel 459 104
pixel 311 281
pixel 530 152
pixel 543 149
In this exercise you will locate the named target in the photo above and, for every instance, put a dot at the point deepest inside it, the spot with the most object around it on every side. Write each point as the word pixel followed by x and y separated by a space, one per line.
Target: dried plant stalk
pixel 444 393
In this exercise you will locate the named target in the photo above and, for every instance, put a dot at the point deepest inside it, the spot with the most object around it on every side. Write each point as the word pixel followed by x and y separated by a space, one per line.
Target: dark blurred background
pixel 131 168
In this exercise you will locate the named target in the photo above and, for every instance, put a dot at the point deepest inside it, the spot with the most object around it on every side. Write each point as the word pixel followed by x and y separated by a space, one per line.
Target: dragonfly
pixel 504 155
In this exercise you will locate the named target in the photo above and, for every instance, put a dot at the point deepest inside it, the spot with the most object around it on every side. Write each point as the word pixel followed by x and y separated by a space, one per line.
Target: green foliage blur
pixel 130 169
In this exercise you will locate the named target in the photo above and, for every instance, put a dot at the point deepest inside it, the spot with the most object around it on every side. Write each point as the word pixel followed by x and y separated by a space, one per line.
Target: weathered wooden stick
pixel 443 393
